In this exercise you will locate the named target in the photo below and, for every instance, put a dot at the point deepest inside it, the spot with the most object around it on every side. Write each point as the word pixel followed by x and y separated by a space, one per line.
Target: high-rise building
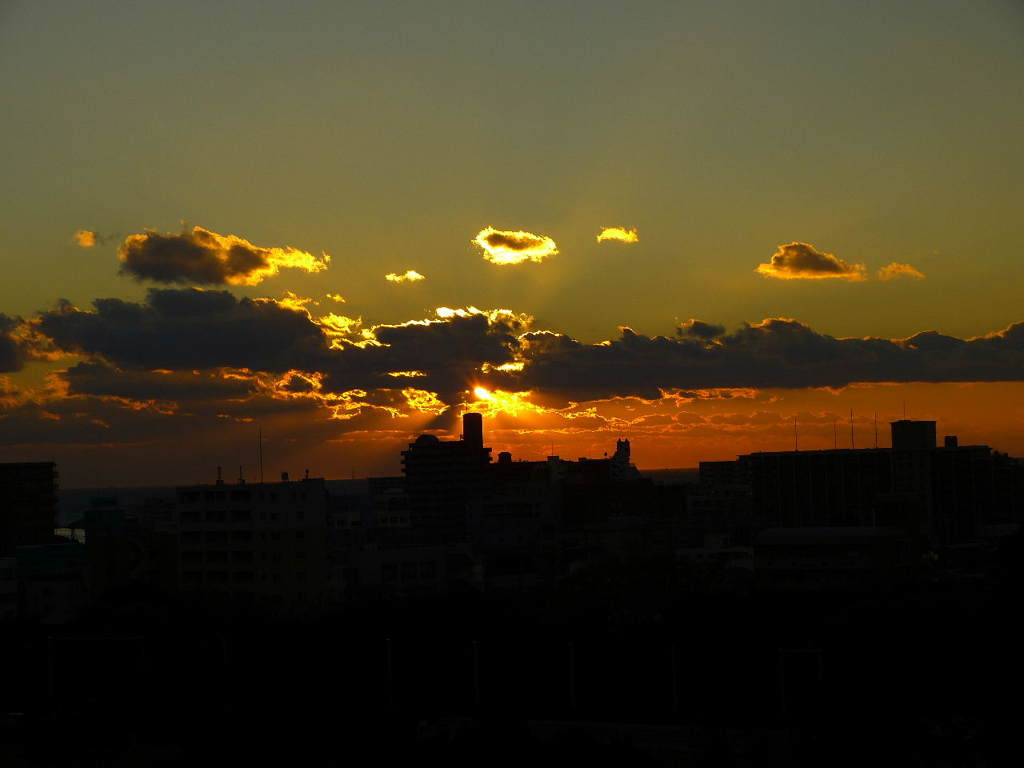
pixel 261 545
pixel 28 504
pixel 443 477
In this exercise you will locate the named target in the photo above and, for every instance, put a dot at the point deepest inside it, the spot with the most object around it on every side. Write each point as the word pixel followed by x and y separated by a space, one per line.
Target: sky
pixel 273 201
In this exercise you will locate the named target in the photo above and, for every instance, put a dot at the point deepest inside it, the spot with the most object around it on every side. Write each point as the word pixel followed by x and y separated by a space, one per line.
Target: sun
pixel 482 393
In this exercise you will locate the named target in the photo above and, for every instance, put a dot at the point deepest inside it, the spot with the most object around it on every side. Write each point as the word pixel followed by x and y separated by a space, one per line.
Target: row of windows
pixel 196 538
pixel 216 556
pixel 235 516
pixel 237 577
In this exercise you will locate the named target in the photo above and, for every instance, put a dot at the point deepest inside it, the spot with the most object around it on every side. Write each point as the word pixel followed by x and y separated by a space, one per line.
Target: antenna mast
pixel 796 436
pixel 851 429
pixel 876 429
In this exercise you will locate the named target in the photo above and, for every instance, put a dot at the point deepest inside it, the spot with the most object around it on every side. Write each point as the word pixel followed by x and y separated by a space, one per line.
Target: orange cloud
pixel 423 401
pixel 504 247
pixel 203 257
pixel 619 234
pixel 897 270
pixel 802 261
pixel 86 238
pixel 410 276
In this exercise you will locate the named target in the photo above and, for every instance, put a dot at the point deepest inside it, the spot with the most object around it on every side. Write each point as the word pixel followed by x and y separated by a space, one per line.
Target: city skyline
pixel 340 228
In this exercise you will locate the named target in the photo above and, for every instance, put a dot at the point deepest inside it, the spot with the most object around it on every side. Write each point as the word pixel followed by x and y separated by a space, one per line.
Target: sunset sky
pixel 344 223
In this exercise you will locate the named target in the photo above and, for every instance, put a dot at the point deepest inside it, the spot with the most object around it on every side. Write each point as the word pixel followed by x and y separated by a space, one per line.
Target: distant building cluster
pixel 459 521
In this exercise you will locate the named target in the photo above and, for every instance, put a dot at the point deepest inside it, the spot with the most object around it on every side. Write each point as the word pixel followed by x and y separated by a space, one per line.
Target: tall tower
pixel 473 429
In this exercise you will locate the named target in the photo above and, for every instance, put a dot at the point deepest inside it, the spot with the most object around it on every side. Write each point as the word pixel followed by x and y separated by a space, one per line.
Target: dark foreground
pixel 927 673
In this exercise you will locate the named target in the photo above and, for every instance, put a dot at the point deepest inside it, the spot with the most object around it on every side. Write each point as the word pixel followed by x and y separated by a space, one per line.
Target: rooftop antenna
pixel 259 437
pixel 796 436
pixel 851 429
pixel 241 477
pixel 835 434
pixel 876 429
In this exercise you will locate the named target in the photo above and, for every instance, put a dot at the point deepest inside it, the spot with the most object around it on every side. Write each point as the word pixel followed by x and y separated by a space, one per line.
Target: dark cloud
pixel 777 352
pixel 190 329
pixel 185 329
pixel 698 329
pixel 802 261
pixel 12 352
pixel 294 355
pixel 449 351
pixel 202 257
pixel 100 379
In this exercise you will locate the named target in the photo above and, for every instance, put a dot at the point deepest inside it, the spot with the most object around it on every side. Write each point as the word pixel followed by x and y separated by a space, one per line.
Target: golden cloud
pixel 201 256
pixel 802 261
pixel 86 238
pixel 410 276
pixel 423 401
pixel 618 234
pixel 897 270
pixel 504 247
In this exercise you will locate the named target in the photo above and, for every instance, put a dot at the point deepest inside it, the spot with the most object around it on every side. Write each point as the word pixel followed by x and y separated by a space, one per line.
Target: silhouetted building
pixel 28 504
pixel 128 549
pixel 937 495
pixel 261 546
pixel 442 478
pixel 8 589
pixel 52 581
pixel 912 435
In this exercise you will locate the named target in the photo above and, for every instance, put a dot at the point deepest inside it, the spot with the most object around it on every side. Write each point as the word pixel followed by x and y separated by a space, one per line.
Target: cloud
pixel 410 276
pixel 195 330
pixel 699 329
pixel 100 379
pixel 802 261
pixel 12 352
pixel 449 350
pixel 619 234
pixel 506 247
pixel 775 353
pixel 188 329
pixel 90 238
pixel 152 350
pixel 897 270
pixel 202 257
